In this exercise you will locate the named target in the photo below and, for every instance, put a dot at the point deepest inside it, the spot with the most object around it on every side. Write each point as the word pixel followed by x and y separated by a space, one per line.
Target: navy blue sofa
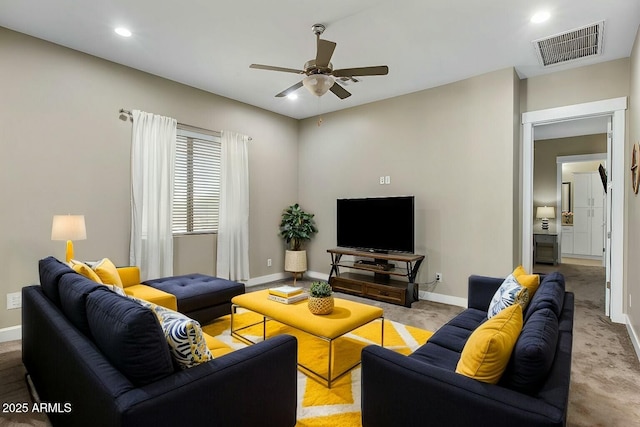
pixel 424 389
pixel 105 360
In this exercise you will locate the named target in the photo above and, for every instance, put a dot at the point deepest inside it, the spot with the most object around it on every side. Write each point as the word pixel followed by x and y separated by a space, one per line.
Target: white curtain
pixel 233 227
pixel 152 165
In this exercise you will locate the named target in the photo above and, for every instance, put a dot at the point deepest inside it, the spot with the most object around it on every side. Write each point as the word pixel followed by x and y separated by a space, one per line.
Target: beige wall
pixel 63 149
pixel 585 84
pixel 633 200
pixel 452 147
pixel 456 147
pixel 545 164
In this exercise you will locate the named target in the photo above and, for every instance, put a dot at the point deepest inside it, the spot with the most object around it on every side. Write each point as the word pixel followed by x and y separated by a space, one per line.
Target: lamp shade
pixel 318 84
pixel 546 212
pixel 68 227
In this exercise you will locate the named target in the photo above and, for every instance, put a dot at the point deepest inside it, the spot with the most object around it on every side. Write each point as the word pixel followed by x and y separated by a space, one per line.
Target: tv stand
pixel 384 284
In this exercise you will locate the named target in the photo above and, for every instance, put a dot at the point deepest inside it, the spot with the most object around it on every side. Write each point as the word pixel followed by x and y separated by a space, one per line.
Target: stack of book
pixel 287 294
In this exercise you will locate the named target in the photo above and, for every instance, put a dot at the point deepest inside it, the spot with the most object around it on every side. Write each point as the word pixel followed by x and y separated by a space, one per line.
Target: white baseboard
pixel 261 280
pixel 11 334
pixel 634 337
pixel 316 275
pixel 444 299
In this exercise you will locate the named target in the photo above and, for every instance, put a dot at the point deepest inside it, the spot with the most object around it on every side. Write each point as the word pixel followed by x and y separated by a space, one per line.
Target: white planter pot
pixel 295 261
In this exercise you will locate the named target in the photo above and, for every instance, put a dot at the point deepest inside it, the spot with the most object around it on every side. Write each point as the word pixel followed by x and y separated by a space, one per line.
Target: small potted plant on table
pixel 320 298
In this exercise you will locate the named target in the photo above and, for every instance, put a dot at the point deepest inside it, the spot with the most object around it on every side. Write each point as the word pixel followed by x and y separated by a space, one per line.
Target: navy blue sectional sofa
pixel 105 360
pixel 424 389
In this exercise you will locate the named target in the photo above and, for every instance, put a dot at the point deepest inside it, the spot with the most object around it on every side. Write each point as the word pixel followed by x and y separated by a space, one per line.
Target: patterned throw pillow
pixel 508 294
pixel 185 338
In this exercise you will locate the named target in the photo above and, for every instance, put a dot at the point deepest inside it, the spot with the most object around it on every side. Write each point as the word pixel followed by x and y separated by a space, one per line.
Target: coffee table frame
pixel 305 369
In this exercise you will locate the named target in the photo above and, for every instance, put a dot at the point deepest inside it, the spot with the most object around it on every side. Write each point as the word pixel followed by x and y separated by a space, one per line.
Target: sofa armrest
pixel 400 391
pixel 481 290
pixel 253 386
pixel 129 275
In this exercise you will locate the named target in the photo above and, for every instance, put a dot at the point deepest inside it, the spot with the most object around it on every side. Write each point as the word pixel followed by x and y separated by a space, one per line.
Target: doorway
pixel 614 255
pixel 582 237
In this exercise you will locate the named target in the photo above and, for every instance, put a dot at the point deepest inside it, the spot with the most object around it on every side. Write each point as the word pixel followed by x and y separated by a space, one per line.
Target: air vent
pixel 584 42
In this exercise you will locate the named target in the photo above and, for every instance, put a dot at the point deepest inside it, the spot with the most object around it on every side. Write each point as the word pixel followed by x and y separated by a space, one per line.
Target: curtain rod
pixel 128 113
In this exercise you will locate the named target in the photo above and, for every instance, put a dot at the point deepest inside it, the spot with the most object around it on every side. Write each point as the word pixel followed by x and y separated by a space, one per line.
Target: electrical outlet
pixel 382 180
pixel 269 263
pixel 14 300
pixel 438 277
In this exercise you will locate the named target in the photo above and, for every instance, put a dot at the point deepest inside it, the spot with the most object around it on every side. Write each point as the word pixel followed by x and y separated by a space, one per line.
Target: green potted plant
pixel 320 298
pixel 296 228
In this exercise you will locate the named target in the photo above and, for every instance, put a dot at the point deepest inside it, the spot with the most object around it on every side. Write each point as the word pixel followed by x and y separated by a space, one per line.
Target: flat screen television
pixel 377 224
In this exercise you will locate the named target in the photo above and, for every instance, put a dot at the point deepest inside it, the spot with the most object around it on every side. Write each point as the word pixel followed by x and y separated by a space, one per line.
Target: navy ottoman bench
pixel 201 297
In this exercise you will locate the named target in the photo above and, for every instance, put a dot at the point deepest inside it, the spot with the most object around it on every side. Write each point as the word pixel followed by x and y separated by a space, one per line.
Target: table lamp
pixel 545 212
pixel 68 227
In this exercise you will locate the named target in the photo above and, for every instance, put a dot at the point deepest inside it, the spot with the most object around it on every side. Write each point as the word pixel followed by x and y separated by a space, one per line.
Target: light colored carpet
pixel 319 406
pixel 605 374
pixel 605 371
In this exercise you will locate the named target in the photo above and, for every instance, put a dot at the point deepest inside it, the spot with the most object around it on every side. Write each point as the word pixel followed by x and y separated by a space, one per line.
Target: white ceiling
pixel 210 44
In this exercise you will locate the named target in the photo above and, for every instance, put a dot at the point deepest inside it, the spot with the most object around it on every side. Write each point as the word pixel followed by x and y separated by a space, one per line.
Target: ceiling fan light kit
pixel 320 73
pixel 318 84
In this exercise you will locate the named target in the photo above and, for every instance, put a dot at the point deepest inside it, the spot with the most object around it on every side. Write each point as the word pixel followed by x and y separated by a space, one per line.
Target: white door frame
pixel 616 108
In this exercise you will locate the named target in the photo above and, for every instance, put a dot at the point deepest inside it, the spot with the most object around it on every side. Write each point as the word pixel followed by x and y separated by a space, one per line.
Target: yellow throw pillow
pixel 85 270
pixel 529 281
pixel 107 272
pixel 486 354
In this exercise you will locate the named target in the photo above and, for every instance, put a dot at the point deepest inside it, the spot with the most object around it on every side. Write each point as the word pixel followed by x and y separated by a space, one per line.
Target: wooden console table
pixel 389 282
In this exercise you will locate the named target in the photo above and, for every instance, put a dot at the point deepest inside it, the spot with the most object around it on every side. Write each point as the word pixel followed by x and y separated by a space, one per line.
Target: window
pixel 196 188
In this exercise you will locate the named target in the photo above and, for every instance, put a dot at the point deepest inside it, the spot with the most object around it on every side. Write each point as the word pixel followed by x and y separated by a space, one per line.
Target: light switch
pixel 387 179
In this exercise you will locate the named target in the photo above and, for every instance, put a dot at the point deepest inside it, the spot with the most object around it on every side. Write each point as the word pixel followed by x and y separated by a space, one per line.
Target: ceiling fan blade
pixel 270 68
pixel 324 53
pixel 290 89
pixel 339 91
pixel 362 71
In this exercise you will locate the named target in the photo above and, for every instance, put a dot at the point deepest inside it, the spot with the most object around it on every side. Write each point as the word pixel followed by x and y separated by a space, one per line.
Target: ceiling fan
pixel 319 71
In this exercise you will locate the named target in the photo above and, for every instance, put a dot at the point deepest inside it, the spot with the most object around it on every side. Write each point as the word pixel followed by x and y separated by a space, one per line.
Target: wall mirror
pixel 566 197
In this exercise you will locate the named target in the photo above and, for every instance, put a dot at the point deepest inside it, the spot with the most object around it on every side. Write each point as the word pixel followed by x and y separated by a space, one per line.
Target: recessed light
pixel 292 96
pixel 123 32
pixel 540 17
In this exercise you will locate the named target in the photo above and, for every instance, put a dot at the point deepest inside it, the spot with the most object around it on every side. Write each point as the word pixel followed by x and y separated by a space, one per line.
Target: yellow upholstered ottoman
pixel 346 317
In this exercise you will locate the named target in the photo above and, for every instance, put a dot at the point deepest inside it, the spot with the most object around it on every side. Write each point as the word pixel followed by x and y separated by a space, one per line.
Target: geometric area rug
pixel 319 406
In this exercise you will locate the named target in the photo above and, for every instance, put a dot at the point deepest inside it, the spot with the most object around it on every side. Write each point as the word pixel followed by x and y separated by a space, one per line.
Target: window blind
pixel 196 195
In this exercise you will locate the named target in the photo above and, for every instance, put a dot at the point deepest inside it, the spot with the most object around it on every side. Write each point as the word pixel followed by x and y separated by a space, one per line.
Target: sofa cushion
pixel 185 338
pixel 130 336
pixel 550 295
pixel 74 290
pixel 487 351
pixel 153 295
pixel 469 319
pixel 51 270
pixel 436 355
pixel 456 332
pixel 533 353
pixel 507 294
